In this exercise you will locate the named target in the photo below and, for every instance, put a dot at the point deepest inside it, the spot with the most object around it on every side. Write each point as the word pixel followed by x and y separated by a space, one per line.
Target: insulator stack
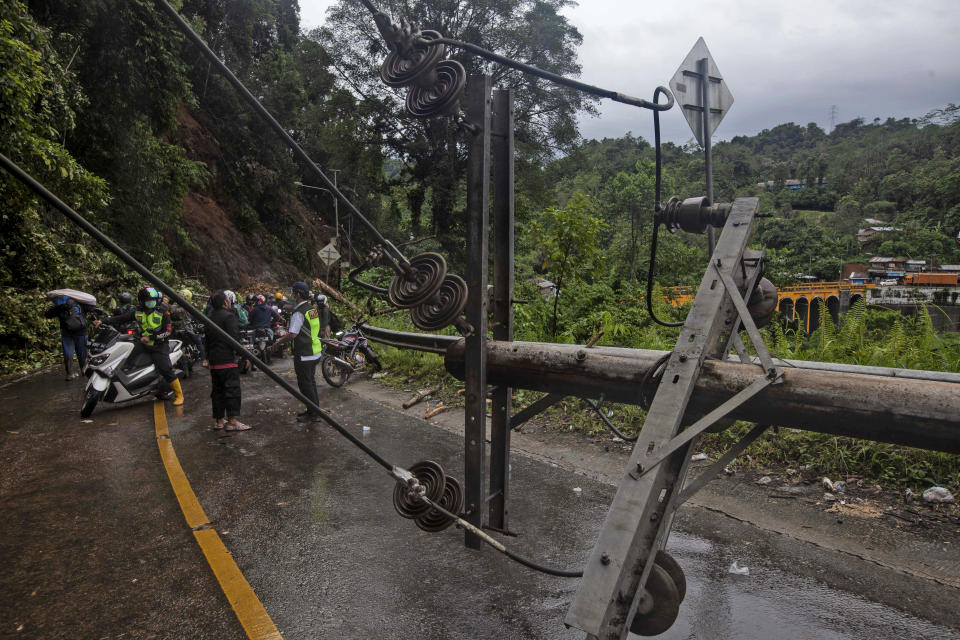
pixel 444 308
pixel 426 276
pixel 435 84
pixel 437 487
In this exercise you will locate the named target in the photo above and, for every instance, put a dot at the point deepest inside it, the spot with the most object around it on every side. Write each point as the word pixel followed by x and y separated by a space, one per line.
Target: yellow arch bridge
pixel 802 303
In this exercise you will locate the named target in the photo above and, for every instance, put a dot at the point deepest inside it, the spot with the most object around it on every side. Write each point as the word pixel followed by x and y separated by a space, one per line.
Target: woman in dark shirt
pixel 225 392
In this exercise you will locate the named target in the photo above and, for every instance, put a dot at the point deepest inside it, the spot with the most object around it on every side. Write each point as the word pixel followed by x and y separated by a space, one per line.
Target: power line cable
pixel 400 475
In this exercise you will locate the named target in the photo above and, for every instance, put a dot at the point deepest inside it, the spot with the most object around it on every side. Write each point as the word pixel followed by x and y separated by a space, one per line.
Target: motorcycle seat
pixel 142 359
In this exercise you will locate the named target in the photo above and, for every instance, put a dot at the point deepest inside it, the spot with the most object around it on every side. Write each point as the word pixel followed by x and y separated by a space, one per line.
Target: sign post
pixel 329 255
pixel 704 99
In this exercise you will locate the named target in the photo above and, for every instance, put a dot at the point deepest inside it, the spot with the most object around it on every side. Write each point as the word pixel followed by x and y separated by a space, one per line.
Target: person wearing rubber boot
pixel 154 327
pixel 305 331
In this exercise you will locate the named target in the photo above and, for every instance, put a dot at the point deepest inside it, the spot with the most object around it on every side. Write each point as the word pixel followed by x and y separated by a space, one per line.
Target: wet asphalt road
pixel 93 543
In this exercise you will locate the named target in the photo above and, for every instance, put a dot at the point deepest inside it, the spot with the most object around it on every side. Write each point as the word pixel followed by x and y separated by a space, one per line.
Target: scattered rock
pixel 765 480
pixel 909 496
pixel 937 495
pixel 829 497
pixel 577 490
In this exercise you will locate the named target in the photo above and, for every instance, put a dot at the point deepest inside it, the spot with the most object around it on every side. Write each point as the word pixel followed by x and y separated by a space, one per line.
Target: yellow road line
pixel 246 605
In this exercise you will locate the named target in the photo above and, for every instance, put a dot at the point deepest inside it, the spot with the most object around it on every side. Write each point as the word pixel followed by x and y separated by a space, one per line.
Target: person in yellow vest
pixel 154 328
pixel 305 330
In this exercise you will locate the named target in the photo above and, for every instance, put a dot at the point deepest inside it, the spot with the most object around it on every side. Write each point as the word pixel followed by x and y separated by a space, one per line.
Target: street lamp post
pixel 336 201
pixel 336 217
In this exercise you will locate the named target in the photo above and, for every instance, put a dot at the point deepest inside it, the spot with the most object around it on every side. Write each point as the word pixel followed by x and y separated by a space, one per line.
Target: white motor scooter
pixel 111 378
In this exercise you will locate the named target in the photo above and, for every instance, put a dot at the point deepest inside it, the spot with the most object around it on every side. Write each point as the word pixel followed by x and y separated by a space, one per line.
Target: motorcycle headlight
pixel 96 361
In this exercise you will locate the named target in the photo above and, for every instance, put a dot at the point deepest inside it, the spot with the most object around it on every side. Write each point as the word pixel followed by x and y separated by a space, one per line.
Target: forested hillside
pixel 107 104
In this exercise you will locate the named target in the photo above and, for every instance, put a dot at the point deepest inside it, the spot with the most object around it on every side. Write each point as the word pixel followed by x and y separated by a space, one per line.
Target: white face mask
pixel 150 304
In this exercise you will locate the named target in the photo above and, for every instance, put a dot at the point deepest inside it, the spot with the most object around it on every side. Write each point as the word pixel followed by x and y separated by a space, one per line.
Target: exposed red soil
pixel 224 255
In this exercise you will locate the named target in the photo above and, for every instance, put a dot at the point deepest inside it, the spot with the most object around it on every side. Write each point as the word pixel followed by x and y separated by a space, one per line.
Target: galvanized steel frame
pixel 638 518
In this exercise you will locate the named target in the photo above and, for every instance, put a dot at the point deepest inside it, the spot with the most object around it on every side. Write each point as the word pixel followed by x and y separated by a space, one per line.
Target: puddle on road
pixel 770 603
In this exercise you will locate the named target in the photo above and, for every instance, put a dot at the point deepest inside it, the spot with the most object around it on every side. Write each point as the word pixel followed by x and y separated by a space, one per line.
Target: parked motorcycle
pixel 112 377
pixel 261 344
pixel 348 353
pixel 279 330
pixel 246 339
pixel 191 352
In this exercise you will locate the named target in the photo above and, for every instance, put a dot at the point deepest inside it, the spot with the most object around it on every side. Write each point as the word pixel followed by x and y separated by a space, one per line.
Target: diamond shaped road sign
pixel 329 254
pixel 685 85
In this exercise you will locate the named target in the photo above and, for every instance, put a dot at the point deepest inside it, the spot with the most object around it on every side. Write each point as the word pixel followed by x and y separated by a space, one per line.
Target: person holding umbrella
pixel 69 307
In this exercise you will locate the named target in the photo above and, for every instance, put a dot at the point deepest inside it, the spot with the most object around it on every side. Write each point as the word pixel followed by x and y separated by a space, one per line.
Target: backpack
pixel 335 324
pixel 242 319
pixel 73 319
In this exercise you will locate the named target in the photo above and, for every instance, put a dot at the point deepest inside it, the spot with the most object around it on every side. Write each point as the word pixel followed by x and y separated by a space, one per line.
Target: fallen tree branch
pixel 336 294
pixel 435 411
pixel 421 396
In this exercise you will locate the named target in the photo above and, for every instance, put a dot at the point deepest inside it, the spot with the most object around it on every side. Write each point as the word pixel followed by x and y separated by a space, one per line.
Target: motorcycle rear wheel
pixel 334 374
pixel 90 400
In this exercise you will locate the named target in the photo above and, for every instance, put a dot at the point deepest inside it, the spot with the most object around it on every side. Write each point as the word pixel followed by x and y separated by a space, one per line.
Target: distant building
pixel 882 267
pixel 950 268
pixel 867 235
pixel 850 268
pixel 791 183
pixel 547 289
pixel 916 266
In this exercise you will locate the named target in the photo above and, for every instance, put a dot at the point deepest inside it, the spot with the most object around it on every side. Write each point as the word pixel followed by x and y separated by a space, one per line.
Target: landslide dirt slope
pixel 227 256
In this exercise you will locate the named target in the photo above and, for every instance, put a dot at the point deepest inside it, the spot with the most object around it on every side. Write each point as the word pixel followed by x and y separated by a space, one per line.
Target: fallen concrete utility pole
pixel 903 411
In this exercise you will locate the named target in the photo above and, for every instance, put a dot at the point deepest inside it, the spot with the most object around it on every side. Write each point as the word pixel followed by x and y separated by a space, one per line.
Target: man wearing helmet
pixel 153 327
pixel 126 304
pixel 262 315
pixel 238 309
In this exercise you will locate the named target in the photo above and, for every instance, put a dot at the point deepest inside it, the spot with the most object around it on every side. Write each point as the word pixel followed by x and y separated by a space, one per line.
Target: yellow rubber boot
pixel 177 393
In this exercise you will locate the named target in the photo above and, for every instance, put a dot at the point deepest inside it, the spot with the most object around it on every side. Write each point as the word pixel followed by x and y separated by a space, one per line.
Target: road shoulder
pixel 841 544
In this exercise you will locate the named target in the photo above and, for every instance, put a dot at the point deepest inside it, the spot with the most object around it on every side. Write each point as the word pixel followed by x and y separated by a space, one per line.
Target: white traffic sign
pixel 686 87
pixel 329 254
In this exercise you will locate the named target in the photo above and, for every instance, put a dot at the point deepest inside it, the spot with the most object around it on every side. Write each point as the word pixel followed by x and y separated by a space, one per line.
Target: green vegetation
pixel 866 336
pixel 109 106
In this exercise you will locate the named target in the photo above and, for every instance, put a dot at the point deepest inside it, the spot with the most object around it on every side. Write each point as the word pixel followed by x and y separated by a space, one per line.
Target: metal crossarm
pixel 710 472
pixel 648 462
pixel 621 561
pixel 771 370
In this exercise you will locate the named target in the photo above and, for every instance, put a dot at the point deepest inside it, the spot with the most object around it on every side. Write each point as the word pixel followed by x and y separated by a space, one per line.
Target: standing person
pixel 154 327
pixel 305 331
pixel 225 394
pixel 280 302
pixel 237 309
pixel 73 331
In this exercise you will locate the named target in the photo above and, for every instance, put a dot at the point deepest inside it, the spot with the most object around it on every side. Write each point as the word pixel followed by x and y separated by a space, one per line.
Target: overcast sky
pixel 782 61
